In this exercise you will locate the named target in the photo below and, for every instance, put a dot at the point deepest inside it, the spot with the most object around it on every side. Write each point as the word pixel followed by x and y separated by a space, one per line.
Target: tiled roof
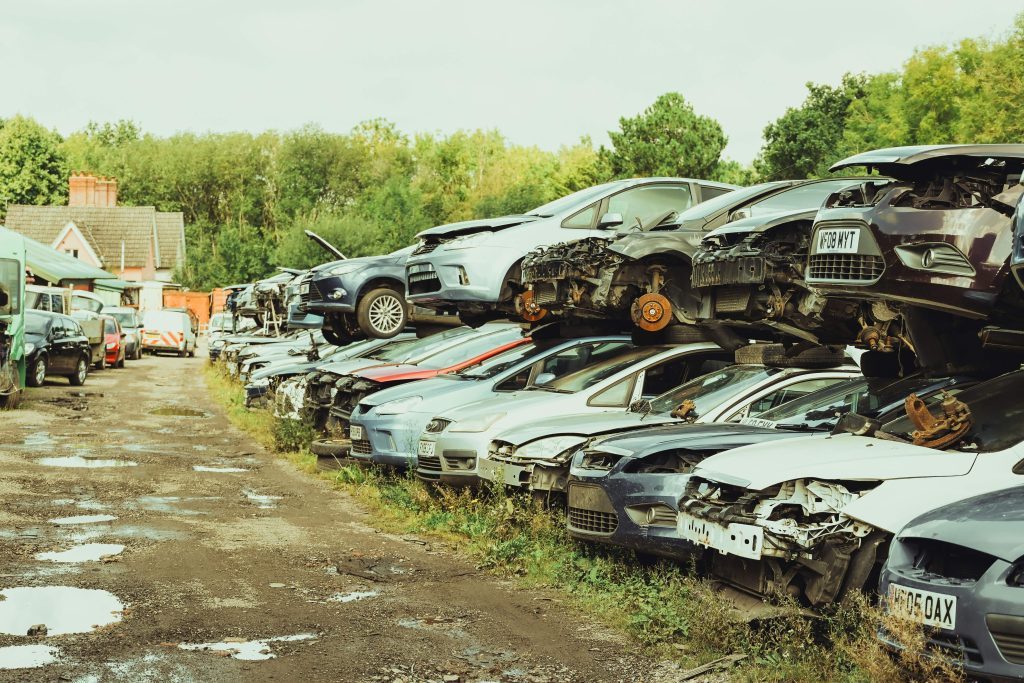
pixel 105 228
pixel 170 235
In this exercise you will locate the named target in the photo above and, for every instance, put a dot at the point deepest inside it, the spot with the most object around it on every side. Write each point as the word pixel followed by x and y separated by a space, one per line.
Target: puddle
pixel 83 519
pixel 39 439
pixel 249 650
pixel 353 596
pixel 62 608
pixel 204 468
pixel 90 552
pixel 178 411
pixel 197 447
pixel 449 626
pixel 261 501
pixel 90 505
pixel 143 532
pixel 168 504
pixel 79 461
pixel 27 656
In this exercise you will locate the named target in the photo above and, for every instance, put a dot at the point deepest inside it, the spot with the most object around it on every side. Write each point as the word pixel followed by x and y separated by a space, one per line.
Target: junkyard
pixel 438 407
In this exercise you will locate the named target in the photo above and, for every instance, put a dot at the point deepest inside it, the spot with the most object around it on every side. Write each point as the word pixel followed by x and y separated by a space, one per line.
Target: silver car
pixel 468 266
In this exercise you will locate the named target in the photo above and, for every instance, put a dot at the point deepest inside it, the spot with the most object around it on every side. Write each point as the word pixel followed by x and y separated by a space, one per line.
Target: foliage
pixel 33 168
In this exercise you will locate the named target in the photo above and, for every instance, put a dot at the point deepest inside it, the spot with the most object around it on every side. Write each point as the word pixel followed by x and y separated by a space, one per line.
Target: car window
pixel 578 198
pixel 36 324
pixel 774 399
pixel 582 219
pixel 616 395
pixel 109 326
pixel 602 370
pixel 727 201
pixel 71 327
pixel 660 378
pixel 647 206
pixel 710 390
pixel 126 318
pixel 801 197
pixel 710 192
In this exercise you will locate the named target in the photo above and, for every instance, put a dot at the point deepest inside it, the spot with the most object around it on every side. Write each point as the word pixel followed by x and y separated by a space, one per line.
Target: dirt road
pixel 223 541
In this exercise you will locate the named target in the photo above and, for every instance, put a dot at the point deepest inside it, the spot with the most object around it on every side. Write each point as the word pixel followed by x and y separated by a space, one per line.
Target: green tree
pixel 33 169
pixel 667 139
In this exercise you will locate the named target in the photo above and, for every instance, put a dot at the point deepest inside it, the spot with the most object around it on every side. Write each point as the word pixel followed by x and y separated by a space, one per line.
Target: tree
pixel 667 139
pixel 33 169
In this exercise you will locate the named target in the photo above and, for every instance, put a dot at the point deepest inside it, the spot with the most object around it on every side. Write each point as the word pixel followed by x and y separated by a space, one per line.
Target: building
pixel 136 243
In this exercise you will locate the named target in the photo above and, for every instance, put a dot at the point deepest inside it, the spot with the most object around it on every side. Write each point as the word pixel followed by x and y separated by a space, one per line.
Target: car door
pixel 62 342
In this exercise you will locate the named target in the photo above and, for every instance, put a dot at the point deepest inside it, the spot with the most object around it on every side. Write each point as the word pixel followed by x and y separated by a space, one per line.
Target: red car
pixel 113 339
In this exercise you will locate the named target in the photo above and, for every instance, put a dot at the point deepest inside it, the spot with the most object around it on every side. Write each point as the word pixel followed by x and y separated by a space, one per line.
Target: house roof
pixel 106 228
pixel 53 266
pixel 170 239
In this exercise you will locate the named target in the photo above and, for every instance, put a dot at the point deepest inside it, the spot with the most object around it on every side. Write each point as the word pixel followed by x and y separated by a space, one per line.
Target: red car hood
pixel 395 372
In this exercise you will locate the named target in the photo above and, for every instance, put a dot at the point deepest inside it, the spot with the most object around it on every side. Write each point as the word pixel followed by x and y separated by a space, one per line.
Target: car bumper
pixel 330 294
pixel 303 320
pixel 459 276
pixel 455 460
pixel 391 440
pixel 113 355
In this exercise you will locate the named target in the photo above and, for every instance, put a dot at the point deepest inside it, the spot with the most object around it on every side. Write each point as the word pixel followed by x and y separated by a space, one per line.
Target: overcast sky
pixel 542 72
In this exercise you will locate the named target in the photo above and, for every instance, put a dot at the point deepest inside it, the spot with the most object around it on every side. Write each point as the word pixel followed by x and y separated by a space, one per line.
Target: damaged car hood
pixel 715 436
pixel 589 424
pixel 832 458
pixel 912 161
pixel 756 224
pixel 479 225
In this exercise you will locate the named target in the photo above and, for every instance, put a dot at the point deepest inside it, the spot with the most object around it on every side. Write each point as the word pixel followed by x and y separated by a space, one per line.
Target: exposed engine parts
pixel 939 432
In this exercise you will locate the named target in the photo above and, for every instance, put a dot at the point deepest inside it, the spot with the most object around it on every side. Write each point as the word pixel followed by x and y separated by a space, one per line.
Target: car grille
pixel 745 270
pixel 590 510
pixel 304 298
pixel 429 464
pixel 545 293
pixel 425 248
pixel 844 268
pixel 1008 632
pixel 362 447
pixel 424 283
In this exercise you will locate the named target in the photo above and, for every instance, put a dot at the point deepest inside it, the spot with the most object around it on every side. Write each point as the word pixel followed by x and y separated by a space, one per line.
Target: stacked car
pixel 805 388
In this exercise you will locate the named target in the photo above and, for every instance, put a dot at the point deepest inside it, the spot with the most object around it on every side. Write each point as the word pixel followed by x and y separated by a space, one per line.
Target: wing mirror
pixel 545 378
pixel 609 220
pixel 641 405
pixel 740 214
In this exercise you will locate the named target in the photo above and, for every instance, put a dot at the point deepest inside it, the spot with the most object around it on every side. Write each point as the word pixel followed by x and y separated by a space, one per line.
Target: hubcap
pixel 40 372
pixel 386 313
pixel 81 370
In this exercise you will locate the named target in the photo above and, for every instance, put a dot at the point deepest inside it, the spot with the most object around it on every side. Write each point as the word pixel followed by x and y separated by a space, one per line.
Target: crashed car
pixel 625 486
pixel 643 278
pixel 931 243
pixel 386 425
pixel 537 455
pixel 812 518
pixel 264 301
pixel 473 267
pixel 959 570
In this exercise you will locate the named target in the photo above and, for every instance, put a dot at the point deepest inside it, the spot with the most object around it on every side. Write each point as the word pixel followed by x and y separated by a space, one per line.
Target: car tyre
pixel 330 448
pixel 776 355
pixel 101 364
pixel 382 313
pixel 81 372
pixel 36 375
pixel 192 352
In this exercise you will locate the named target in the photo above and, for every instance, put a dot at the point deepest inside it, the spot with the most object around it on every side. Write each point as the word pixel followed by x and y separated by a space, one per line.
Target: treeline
pixel 248 197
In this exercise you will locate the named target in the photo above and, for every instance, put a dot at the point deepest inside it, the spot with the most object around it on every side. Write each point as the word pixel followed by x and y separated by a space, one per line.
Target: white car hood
pixel 843 457
pixel 502 403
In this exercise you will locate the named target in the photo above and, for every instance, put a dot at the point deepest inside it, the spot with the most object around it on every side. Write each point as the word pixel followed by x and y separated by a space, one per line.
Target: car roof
pixel 914 154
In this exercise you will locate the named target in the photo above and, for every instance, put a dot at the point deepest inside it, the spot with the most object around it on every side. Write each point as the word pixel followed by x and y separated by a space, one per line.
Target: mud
pixel 205 580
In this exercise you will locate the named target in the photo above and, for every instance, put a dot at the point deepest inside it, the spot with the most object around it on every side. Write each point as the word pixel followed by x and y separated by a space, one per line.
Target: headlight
pixel 398 406
pixel 217 343
pixel 479 424
pixel 549 447
pixel 343 268
pixel 111 346
pixel 1016 576
pixel 29 348
pixel 262 382
pixel 473 240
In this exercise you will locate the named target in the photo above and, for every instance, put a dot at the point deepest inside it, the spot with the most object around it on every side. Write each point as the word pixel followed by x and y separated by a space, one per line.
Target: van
pixel 168 331
pixel 53 299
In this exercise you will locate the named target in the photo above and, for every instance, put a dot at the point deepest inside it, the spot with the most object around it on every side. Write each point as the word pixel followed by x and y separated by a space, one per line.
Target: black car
pixel 55 345
pixel 632 482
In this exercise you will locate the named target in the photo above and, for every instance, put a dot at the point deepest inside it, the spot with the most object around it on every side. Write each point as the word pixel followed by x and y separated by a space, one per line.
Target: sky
pixel 543 73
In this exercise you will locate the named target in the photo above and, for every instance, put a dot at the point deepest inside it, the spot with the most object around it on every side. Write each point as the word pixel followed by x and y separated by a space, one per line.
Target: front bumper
pixel 330 295
pixel 388 440
pixel 456 458
pixel 459 276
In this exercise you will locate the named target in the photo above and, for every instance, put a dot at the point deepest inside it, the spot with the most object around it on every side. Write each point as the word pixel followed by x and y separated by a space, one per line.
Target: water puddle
pixel 89 552
pixel 83 519
pixel 205 468
pixel 168 504
pixel 141 532
pixel 39 439
pixel 448 626
pixel 79 461
pixel 178 411
pixel 261 501
pixel 27 656
pixel 249 650
pixel 353 596
pixel 62 609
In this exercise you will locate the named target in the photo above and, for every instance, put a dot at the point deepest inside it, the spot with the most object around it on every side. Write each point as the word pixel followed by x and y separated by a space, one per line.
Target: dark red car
pixel 113 340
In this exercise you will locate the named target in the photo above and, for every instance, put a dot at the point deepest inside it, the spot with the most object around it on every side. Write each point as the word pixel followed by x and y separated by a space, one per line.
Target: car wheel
pixel 776 355
pixel 182 354
pixel 101 364
pixel 36 374
pixel 330 448
pixel 382 313
pixel 192 353
pixel 81 372
pixel 120 362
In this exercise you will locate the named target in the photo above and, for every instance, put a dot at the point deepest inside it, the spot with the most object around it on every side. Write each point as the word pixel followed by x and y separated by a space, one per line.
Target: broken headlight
pixel 1016 576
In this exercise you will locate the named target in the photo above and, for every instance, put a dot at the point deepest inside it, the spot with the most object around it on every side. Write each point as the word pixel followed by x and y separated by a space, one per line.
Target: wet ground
pixel 142 538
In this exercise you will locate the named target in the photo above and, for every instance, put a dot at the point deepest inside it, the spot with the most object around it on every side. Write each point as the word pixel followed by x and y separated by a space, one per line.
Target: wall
pixel 197 302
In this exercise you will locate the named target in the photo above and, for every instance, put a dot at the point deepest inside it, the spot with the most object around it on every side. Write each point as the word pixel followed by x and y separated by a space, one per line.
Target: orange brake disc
pixel 651 312
pixel 529 309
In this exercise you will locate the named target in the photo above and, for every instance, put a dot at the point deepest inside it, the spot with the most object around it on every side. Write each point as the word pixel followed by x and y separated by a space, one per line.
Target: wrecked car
pixel 812 518
pixel 959 570
pixel 386 425
pixel 625 486
pixel 473 267
pixel 931 243
pixel 643 278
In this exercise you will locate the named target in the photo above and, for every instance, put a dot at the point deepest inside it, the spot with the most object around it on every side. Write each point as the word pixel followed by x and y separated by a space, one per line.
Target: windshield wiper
pixel 799 427
pixel 547 387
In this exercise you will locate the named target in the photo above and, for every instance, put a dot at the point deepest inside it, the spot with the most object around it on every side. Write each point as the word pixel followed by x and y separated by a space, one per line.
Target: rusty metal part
pixel 938 432
pixel 685 410
pixel 657 273
pixel 529 309
pixel 651 312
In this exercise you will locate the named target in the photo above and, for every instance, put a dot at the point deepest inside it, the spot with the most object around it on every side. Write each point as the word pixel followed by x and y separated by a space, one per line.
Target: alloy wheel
pixel 386 313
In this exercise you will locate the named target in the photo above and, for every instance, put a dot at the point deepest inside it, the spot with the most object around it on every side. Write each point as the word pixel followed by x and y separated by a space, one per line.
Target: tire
pixel 101 364
pixel 192 353
pixel 382 313
pixel 776 355
pixel 330 448
pixel 478 319
pixel 182 353
pixel 36 375
pixel 78 378
pixel 335 331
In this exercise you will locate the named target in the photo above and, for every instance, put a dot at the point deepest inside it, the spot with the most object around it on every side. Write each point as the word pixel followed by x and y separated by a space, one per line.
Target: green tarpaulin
pixel 55 267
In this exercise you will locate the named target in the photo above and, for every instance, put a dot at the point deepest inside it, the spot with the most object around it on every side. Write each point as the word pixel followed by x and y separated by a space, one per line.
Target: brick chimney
pixel 88 190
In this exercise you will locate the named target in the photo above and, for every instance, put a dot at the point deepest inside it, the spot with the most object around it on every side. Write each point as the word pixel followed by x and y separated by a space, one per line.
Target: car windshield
pixel 109 326
pixel 712 389
pixel 126 318
pixel 36 324
pixel 469 349
pixel 598 372
pixel 997 411
pixel 421 347
pixel 220 322
pixel 392 353
pixel 726 201
pixel 802 197
pixel 820 410
pixel 492 366
pixel 568 202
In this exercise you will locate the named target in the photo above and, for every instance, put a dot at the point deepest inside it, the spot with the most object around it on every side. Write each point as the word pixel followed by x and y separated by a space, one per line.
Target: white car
pixel 812 517
pixel 728 394
pixel 454 442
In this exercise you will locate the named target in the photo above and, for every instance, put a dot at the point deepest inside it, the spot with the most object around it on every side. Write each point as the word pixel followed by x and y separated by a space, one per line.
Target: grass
pixel 663 606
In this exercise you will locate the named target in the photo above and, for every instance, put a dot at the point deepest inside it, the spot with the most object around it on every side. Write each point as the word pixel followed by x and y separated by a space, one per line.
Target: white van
pixel 168 331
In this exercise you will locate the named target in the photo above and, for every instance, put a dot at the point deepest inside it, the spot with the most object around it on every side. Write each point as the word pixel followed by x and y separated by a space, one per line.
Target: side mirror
pixel 609 220
pixel 740 214
pixel 641 405
pixel 545 378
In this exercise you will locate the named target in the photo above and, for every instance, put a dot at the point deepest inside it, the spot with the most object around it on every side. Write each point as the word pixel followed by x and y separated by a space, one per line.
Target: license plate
pixel 838 241
pixel 426 449
pixel 355 432
pixel 742 540
pixel 758 422
pixel 926 607
pixel 304 288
